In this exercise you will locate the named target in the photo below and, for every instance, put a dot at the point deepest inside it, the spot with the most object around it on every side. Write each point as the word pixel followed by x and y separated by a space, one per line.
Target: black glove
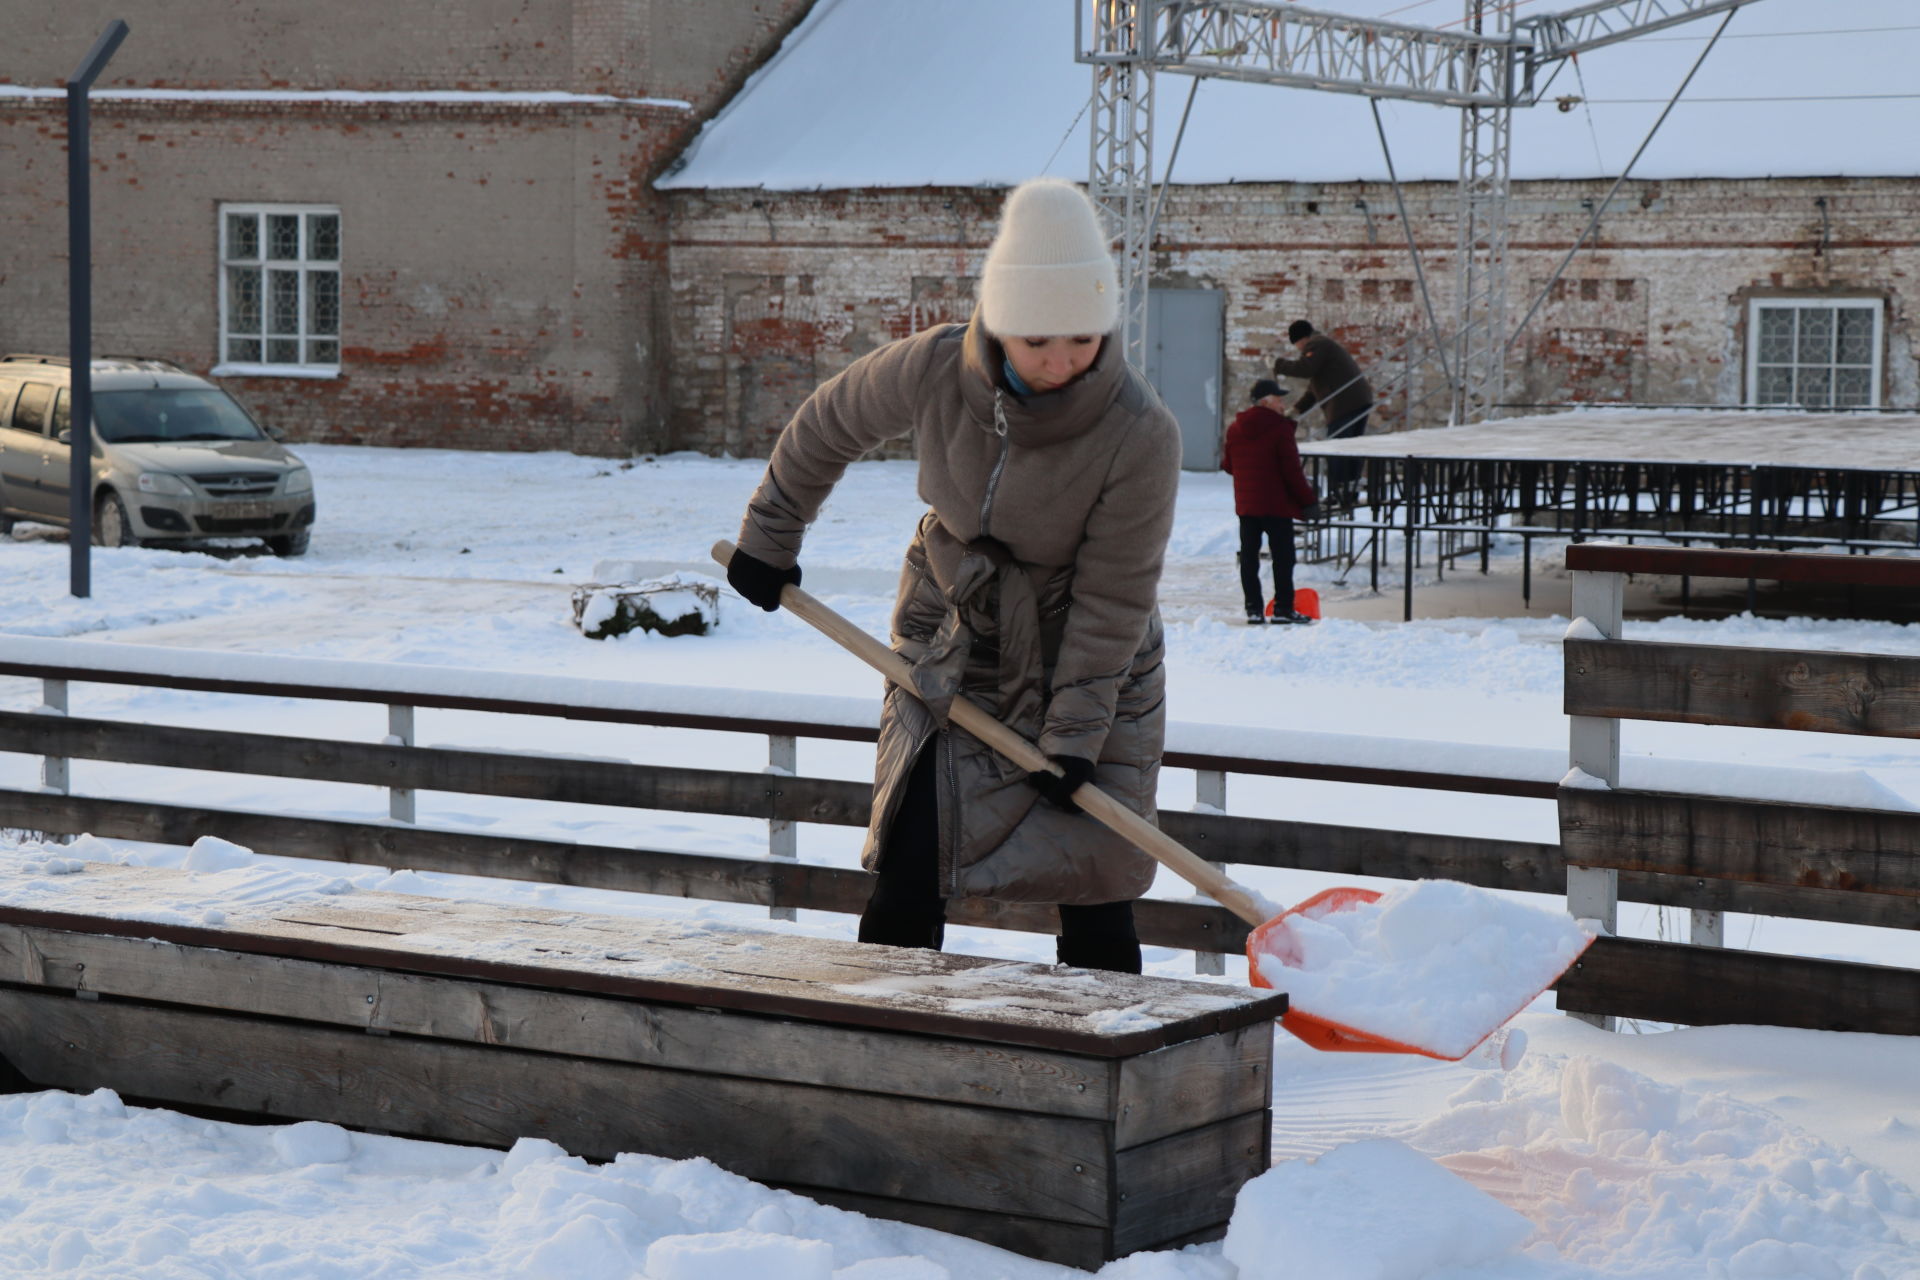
pixel 1060 789
pixel 759 581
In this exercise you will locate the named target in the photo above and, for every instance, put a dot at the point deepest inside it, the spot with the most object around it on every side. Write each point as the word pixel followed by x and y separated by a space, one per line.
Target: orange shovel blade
pixel 1275 940
pixel 1306 600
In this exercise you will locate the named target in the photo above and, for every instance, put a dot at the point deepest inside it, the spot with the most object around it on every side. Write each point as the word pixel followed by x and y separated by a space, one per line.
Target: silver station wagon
pixel 175 458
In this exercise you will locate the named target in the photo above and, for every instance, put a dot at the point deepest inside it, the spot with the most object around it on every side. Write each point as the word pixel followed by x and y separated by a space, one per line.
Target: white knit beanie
pixel 1049 273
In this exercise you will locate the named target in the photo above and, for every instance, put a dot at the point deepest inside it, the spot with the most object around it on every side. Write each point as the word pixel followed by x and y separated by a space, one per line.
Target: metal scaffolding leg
pixel 1120 166
pixel 1480 270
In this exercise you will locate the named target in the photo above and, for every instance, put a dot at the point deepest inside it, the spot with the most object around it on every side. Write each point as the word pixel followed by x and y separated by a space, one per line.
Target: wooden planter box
pixel 1068 1115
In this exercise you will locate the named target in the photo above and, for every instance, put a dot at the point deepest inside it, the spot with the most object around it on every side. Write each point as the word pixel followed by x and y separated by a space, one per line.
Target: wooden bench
pixel 1068 1115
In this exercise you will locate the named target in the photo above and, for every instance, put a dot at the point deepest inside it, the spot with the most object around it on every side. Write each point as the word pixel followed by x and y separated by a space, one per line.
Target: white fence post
pixel 1210 792
pixel 1593 747
pixel 1707 927
pixel 783 841
pixel 400 734
pixel 56 772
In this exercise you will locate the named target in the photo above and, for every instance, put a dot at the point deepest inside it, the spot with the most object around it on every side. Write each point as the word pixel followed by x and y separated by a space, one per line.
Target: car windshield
pixel 170 414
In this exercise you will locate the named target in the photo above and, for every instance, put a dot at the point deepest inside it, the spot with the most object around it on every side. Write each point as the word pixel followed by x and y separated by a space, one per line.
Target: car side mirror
pixel 275 433
pixel 66 437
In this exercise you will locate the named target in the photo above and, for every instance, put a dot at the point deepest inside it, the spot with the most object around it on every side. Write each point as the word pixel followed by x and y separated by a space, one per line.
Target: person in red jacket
pixel 1270 492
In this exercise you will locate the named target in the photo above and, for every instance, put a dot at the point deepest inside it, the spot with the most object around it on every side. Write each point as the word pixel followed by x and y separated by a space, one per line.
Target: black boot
pixel 1099 953
pixel 906 909
pixel 1099 937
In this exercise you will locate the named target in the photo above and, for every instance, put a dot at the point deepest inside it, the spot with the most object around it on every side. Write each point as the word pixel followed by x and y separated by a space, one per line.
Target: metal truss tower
pixel 1489 66
pixel 1480 254
pixel 1120 163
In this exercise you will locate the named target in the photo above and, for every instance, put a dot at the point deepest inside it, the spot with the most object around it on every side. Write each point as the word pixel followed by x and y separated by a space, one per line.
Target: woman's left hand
pixel 1059 787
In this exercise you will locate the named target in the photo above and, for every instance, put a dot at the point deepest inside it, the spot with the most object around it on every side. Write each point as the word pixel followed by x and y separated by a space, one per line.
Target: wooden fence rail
pixel 1872 694
pixel 1703 854
pixel 778 796
pixel 1841 863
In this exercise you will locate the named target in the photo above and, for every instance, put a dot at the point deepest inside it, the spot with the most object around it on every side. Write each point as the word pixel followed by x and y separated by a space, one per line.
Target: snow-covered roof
pixel 886 93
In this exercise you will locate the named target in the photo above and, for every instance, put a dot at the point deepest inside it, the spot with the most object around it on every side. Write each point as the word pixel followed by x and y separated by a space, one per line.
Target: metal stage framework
pixel 1452 507
pixel 1487 65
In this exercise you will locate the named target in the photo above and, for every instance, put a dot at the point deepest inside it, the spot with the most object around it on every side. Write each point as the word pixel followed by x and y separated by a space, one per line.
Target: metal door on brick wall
pixel 1186 350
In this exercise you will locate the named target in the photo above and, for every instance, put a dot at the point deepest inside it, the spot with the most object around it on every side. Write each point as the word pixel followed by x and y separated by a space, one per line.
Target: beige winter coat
pixel 1029 586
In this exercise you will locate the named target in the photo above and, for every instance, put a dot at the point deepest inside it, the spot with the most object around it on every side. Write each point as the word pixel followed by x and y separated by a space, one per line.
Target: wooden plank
pixel 1806 846
pixel 1187 1182
pixel 704 1040
pixel 1041 1166
pixel 1187 1085
pixel 1399 855
pixel 1792 902
pixel 492 773
pixel 1713 986
pixel 1220 838
pixel 1366 775
pixel 674 961
pixel 763 882
pixel 1863 693
pixel 457 702
pixel 1184 925
pixel 1065 1243
pixel 383 844
pixel 1772 566
pixel 755 725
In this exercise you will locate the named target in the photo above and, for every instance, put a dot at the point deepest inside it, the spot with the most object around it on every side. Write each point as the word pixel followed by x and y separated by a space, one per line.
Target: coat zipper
pixel 1000 464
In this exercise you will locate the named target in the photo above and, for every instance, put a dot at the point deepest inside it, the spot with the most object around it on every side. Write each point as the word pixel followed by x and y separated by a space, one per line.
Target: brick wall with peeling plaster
pixel 773 292
pixel 504 281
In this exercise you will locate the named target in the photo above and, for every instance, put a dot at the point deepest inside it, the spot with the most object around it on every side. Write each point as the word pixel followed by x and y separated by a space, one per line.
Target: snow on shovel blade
pixel 1433 968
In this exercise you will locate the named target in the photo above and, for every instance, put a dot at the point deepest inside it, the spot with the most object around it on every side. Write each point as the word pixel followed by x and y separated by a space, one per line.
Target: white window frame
pixel 1833 303
pixel 306 267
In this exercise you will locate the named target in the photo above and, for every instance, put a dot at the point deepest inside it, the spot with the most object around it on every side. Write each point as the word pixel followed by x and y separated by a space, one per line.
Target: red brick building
pixel 408 222
pixel 848 196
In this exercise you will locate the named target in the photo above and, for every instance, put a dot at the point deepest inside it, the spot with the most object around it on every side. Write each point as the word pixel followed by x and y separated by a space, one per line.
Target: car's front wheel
pixel 111 528
pixel 291 544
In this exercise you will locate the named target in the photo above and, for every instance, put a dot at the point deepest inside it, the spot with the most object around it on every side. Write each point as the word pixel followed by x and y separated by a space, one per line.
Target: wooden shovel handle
pixel 1170 853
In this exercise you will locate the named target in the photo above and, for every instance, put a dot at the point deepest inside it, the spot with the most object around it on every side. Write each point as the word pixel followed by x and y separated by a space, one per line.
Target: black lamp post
pixel 80 306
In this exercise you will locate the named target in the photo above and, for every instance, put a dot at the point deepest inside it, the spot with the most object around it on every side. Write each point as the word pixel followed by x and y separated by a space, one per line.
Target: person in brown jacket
pixel 1336 385
pixel 1270 492
pixel 1049 468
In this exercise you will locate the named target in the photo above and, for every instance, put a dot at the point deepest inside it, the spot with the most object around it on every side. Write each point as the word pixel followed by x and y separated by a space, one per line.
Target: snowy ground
pixel 1738 1152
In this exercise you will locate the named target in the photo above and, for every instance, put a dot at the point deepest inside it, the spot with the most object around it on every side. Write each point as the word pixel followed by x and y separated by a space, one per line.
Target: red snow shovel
pixel 1306 602
pixel 1268 937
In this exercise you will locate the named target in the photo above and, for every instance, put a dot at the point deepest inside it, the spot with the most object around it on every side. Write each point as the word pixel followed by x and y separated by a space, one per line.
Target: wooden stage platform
pixel 1856 441
pixel 1069 1115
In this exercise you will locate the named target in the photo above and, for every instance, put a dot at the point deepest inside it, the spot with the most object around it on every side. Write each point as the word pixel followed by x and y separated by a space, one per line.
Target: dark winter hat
pixel 1298 330
pixel 1266 387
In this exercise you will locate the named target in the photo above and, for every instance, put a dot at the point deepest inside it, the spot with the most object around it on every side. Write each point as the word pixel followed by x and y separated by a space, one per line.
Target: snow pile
pixel 1623 1175
pixel 90 1187
pixel 1437 964
pixel 683 604
pixel 738 1255
pixel 1372 1210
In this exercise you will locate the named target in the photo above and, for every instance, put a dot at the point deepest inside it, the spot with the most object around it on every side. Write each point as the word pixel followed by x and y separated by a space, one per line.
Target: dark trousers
pixel 1343 473
pixel 1278 531
pixel 906 909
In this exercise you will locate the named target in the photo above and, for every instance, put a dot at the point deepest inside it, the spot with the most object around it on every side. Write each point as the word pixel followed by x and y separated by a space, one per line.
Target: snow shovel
pixel 1306 602
pixel 1269 936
